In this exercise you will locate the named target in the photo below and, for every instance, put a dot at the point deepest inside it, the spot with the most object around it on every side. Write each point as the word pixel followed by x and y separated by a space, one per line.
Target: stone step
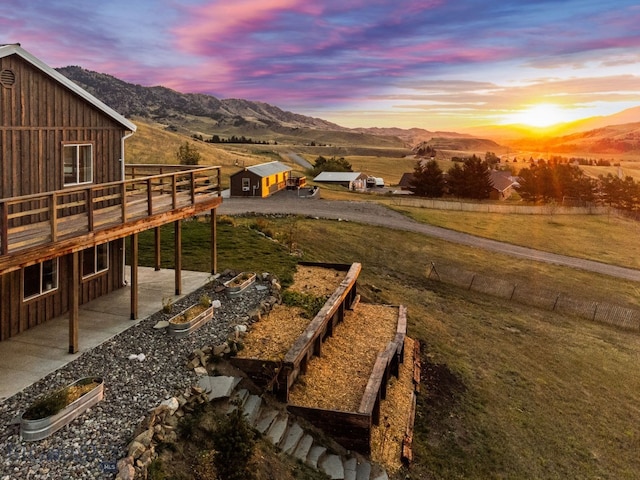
pixel 332 465
pixel 316 452
pixel 238 398
pixel 265 420
pixel 251 409
pixel 219 386
pixel 302 449
pixel 277 429
pixel 379 475
pixel 363 471
pixel 292 438
pixel 350 464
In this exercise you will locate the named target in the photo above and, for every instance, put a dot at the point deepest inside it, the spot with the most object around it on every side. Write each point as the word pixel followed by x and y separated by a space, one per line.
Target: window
pixel 40 278
pixel 267 181
pixel 95 260
pixel 78 164
pixel 246 182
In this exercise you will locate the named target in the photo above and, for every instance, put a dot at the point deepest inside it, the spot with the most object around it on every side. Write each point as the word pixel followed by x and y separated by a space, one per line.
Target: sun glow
pixel 540 115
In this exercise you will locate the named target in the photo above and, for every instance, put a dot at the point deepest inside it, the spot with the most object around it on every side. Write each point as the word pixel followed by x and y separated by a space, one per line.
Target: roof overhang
pixel 16 49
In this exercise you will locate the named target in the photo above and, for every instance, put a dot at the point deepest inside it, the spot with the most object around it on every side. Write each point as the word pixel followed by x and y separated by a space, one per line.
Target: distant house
pixel 350 180
pixel 503 184
pixel 406 181
pixel 260 180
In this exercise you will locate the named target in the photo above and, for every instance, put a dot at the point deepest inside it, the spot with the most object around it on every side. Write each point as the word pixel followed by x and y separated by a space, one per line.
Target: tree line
pixel 471 180
pixel 232 139
pixel 541 183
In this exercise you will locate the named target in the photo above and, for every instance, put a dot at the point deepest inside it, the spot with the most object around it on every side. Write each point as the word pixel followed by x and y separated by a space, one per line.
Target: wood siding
pixel 17 315
pixel 37 117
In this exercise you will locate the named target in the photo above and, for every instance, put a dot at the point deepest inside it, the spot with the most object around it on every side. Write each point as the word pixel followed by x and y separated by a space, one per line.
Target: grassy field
pixel 604 238
pixel 510 391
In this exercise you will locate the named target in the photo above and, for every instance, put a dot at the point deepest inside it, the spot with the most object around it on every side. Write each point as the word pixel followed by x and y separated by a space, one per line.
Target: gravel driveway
pixel 375 214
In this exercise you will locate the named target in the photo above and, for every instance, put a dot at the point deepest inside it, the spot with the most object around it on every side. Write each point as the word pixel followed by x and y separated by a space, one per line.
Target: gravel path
pixel 90 446
pixel 375 214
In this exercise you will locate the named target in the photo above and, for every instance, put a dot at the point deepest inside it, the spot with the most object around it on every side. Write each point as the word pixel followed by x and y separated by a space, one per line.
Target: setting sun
pixel 541 115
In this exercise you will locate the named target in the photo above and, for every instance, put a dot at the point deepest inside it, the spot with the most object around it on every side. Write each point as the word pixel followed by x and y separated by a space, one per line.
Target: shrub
pixel 233 440
pixel 311 304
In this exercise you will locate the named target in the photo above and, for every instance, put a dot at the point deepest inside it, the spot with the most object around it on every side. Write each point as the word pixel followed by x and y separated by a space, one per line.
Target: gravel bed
pixel 90 446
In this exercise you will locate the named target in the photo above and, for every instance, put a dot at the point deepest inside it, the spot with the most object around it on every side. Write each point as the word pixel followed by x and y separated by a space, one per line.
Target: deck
pixel 33 227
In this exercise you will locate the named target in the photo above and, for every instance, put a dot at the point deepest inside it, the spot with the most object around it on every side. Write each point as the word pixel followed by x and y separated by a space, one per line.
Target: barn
pixel 260 180
pixel 69 202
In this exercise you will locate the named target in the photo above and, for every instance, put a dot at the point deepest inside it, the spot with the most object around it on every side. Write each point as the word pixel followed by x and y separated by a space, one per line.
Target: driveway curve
pixel 375 214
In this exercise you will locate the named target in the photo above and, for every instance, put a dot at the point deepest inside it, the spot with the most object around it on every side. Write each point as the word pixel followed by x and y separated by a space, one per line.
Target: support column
pixel 157 258
pixel 177 233
pixel 134 276
pixel 214 241
pixel 74 301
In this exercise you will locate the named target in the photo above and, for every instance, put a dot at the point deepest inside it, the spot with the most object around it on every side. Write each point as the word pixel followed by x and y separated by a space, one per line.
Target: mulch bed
pixel 272 337
pixel 337 379
pixel 386 438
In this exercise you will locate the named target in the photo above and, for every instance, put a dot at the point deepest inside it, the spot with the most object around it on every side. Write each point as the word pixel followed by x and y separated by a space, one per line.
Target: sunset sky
pixel 432 64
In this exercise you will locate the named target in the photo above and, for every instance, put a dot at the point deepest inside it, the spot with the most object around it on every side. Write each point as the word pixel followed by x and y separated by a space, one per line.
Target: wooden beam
pixel 177 249
pixel 157 256
pixel 74 301
pixel 214 241
pixel 134 276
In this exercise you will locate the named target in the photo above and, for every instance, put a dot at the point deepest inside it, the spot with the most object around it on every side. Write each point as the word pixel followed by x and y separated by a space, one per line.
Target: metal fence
pixel 616 315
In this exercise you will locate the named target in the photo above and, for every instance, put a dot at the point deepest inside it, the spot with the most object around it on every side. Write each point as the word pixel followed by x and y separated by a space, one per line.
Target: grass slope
pixel 509 391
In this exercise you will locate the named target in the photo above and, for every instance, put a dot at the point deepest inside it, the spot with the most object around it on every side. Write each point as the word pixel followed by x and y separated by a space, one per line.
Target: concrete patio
pixel 31 355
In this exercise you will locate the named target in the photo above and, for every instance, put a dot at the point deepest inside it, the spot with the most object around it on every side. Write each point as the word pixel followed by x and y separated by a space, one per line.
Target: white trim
pixel 95 261
pixel 42 292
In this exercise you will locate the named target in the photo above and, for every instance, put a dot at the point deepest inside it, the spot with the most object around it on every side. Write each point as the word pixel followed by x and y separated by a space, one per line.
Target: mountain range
pixel 206 114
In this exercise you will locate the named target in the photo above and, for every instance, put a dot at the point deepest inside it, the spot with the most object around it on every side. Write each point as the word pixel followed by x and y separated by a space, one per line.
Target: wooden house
pixel 503 185
pixel 260 180
pixel 68 200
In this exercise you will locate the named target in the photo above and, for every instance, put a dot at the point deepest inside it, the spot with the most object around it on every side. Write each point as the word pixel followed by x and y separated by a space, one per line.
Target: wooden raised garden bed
pixel 239 283
pixel 291 337
pixel 343 389
pixel 55 410
pixel 190 319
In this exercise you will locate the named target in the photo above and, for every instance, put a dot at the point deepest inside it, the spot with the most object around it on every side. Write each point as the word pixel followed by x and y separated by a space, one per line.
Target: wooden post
pixel 157 259
pixel 53 213
pixel 74 301
pixel 134 276
pixel 90 219
pixel 214 241
pixel 149 197
pixel 177 233
pixel 4 227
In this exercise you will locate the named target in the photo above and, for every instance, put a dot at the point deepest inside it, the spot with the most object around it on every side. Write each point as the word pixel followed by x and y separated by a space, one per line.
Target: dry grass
pixel 337 379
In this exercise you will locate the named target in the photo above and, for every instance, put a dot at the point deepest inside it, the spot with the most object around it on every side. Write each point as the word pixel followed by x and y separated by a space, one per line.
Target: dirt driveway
pixel 374 214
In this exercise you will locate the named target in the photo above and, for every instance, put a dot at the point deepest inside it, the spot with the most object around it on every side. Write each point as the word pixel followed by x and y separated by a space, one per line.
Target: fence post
pixel 472 279
pixel 433 269
pixel 595 311
pixel 555 303
pixel 513 292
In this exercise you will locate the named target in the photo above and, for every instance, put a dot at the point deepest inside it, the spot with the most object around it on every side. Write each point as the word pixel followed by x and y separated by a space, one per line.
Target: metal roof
pixel 267 169
pixel 16 49
pixel 337 176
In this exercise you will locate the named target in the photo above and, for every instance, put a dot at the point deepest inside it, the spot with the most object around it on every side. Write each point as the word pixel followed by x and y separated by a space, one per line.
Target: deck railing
pixel 37 219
